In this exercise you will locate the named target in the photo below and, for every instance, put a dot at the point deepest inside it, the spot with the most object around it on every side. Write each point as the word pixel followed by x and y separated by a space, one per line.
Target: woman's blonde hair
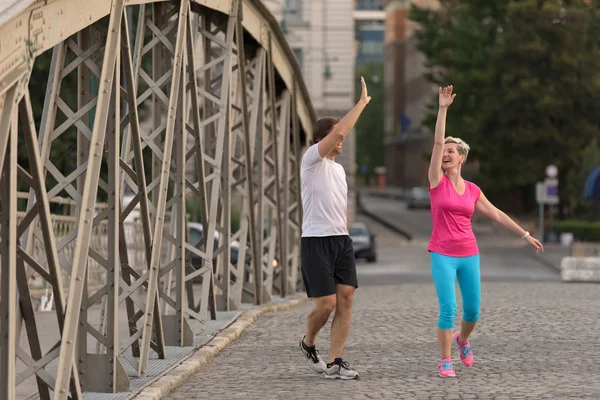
pixel 462 146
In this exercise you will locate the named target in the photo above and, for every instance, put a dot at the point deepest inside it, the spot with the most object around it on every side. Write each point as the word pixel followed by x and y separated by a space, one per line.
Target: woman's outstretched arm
pixel 484 206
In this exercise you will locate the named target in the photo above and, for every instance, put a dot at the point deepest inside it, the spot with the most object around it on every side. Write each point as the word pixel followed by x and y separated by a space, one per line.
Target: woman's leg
pixel 443 271
pixel 469 280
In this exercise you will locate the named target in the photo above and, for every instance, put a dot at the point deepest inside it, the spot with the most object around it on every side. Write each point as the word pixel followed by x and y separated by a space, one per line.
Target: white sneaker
pixel 313 359
pixel 340 370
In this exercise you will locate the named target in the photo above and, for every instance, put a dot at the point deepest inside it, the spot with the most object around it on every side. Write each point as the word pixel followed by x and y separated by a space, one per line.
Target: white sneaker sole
pixel 308 364
pixel 447 376
pixel 344 378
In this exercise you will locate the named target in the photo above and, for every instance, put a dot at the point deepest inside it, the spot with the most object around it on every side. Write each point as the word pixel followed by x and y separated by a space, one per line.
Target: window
pixel 298 54
pixel 371 48
pixel 369 5
pixel 293 10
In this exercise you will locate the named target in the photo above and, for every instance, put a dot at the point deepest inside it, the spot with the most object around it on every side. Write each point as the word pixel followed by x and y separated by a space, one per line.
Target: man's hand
pixel 342 128
pixel 446 96
pixel 364 97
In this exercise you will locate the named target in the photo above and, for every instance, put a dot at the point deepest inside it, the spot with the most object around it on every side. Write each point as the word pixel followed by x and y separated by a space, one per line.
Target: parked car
pixel 363 241
pixel 195 234
pixel 418 197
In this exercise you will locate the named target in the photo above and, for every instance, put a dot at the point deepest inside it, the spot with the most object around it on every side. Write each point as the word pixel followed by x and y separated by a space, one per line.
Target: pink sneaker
pixel 466 355
pixel 445 367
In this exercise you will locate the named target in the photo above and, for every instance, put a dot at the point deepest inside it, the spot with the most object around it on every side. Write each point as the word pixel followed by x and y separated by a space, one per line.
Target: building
pixel 321 33
pixel 407 93
pixel 369 20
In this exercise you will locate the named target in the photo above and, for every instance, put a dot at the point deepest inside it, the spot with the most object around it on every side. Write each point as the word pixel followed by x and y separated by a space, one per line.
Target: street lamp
pixel 327 73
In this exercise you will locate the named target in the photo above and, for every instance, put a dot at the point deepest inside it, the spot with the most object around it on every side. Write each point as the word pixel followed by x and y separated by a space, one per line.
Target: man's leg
pixel 318 316
pixel 346 283
pixel 340 327
pixel 317 273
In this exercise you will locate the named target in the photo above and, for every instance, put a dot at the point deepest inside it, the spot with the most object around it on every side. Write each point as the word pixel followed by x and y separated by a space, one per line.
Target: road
pixel 536 338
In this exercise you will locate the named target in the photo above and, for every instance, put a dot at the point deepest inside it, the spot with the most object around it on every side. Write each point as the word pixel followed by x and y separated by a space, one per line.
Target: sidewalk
pixel 209 338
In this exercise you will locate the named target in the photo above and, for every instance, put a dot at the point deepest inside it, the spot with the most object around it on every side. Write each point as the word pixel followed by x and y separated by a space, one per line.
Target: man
pixel 327 258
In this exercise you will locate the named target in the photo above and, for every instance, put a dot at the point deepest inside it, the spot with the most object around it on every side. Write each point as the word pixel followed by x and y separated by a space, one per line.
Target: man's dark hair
pixel 322 128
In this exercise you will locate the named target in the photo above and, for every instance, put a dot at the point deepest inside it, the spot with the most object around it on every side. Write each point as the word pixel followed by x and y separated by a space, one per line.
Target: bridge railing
pixel 176 106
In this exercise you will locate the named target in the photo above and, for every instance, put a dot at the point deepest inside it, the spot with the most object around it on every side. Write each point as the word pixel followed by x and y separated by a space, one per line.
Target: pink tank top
pixel 451 213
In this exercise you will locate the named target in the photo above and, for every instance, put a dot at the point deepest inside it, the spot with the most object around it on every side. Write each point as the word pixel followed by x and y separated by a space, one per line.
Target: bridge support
pixel 154 116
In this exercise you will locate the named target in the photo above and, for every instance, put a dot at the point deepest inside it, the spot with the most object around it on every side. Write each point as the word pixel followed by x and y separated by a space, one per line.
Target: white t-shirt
pixel 324 195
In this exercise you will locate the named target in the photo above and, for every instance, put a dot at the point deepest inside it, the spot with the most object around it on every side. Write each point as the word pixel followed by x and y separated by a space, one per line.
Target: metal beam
pixel 275 155
pixel 163 187
pixel 8 252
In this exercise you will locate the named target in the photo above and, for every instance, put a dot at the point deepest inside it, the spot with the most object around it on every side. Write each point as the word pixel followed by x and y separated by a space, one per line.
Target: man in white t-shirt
pixel 327 256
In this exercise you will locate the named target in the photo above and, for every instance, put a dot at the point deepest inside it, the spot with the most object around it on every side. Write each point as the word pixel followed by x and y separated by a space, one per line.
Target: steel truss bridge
pixel 193 110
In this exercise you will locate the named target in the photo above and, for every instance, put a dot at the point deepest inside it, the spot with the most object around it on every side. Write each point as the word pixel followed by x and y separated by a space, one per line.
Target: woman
pixel 453 248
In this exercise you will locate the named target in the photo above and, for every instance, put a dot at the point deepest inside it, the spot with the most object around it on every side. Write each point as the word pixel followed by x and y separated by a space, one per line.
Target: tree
pixel 526 73
pixel 63 152
pixel 369 127
pixel 540 106
pixel 457 40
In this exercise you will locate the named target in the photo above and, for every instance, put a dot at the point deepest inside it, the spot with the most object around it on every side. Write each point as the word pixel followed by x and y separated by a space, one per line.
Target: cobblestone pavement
pixel 537 338
pixel 533 341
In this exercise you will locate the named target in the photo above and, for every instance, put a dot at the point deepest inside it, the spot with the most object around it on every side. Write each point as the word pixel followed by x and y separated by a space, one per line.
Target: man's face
pixel 337 150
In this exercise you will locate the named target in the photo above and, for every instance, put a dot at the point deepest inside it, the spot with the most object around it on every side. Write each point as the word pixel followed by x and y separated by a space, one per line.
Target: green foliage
pixel 585 231
pixel 235 219
pixel 64 151
pixel 193 211
pixel 526 74
pixel 369 127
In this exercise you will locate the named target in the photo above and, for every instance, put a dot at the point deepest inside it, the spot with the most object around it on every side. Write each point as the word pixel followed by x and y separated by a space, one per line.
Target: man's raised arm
pixel 345 125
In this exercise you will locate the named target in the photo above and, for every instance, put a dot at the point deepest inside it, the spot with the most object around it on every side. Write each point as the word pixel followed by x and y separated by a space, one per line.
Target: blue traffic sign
pixel 592 185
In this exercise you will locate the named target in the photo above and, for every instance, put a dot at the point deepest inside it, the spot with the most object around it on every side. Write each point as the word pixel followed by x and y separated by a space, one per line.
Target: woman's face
pixel 451 158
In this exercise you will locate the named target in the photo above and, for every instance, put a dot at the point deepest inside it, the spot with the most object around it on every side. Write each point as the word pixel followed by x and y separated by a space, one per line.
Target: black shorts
pixel 327 261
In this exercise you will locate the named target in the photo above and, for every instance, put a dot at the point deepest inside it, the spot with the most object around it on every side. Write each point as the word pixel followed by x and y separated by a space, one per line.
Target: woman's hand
pixel 446 96
pixel 535 243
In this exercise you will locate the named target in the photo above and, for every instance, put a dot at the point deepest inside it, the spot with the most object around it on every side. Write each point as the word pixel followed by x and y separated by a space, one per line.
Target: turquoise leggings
pixel 445 270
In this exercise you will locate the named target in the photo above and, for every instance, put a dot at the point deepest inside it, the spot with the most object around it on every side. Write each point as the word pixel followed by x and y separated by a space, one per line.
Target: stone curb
pixel 180 373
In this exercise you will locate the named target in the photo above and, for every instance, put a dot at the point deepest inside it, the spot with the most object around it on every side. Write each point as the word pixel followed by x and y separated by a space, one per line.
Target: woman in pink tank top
pixel 453 247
